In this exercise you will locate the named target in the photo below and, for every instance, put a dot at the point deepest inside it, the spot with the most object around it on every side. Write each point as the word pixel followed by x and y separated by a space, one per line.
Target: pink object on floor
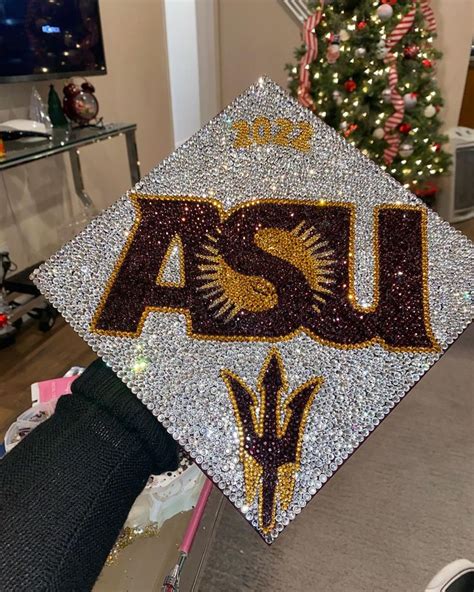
pixel 171 582
pixel 196 517
pixel 49 391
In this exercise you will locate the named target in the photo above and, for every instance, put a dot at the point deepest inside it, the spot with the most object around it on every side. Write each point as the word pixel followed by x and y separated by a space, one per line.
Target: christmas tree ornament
pixel 337 97
pixel 343 125
pixel 385 12
pixel 427 63
pixel 410 100
pixel 344 35
pixel 406 149
pixel 378 133
pixel 55 110
pixel 404 127
pixel 392 2
pixel 360 52
pixel 361 25
pixel 310 293
pixel 381 50
pixel 387 95
pixel 429 111
pixel 332 53
pixel 350 129
pixel 411 51
pixel 436 147
pixel 350 85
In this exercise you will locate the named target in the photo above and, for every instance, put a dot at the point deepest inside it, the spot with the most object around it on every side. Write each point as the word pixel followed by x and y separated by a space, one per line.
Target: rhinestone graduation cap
pixel 270 295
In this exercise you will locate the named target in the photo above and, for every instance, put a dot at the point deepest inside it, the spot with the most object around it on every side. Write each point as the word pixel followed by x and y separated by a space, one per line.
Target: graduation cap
pixel 270 294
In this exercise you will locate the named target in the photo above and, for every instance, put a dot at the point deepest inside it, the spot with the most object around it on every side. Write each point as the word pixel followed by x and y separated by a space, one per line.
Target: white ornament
pixel 381 50
pixel 360 52
pixel 344 35
pixel 343 125
pixel 337 97
pixel 384 12
pixel 333 53
pixel 378 133
pixel 409 99
pixel 406 150
pixel 387 95
pixel 430 111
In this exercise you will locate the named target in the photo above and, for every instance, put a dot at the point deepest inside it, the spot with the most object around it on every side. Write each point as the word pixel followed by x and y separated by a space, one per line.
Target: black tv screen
pixel 43 39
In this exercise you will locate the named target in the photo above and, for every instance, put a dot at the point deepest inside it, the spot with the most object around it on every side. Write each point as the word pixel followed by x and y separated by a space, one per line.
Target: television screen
pixel 41 39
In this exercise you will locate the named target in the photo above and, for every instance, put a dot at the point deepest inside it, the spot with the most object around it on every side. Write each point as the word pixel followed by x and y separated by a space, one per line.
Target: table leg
pixel 132 153
pixel 78 181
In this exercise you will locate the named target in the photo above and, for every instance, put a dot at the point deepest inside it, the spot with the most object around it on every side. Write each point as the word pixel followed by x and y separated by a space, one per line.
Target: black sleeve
pixel 66 489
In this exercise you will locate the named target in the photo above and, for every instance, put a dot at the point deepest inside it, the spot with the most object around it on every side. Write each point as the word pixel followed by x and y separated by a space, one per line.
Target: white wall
pixel 181 34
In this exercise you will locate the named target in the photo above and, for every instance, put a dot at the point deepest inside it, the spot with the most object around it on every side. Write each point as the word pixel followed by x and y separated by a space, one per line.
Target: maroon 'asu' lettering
pixel 271 268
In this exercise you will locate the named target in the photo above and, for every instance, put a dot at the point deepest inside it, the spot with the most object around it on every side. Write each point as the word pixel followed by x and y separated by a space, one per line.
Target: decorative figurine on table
pixel 270 294
pixel 55 110
pixel 80 103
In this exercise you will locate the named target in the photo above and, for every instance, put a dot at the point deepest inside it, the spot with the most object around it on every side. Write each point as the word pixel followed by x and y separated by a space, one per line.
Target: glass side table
pixel 70 140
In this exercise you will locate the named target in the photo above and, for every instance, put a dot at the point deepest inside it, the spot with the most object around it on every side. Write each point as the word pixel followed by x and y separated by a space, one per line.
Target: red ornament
pixel 350 129
pixel 437 147
pixel 411 51
pixel 427 63
pixel 404 128
pixel 391 2
pixel 427 191
pixel 3 320
pixel 361 25
pixel 350 85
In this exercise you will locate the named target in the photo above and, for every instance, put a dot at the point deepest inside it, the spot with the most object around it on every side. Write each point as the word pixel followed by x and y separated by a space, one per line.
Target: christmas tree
pixel 367 68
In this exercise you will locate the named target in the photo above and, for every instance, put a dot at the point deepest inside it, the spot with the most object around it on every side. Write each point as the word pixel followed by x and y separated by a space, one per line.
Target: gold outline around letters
pixel 351 290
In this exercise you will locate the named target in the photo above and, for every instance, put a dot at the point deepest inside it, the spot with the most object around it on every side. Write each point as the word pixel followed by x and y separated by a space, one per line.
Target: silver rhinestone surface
pixel 178 377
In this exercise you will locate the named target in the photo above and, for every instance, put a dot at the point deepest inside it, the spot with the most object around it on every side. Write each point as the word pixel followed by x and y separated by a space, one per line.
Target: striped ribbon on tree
pixel 311 42
pixel 392 137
